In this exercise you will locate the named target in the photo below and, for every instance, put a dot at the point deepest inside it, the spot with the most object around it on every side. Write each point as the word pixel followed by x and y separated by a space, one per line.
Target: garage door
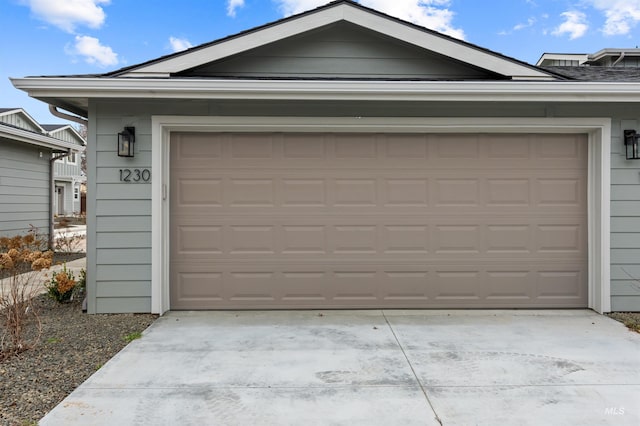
pixel 284 220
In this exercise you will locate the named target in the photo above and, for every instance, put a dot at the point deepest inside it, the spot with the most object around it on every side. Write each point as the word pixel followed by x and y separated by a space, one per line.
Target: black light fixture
pixel 126 140
pixel 631 144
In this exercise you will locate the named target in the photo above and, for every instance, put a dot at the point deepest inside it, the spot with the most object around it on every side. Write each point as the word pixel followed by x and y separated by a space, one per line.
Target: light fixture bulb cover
pixel 126 141
pixel 632 148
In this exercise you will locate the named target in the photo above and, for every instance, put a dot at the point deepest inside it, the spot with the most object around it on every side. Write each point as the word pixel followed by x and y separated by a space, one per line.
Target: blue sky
pixel 62 37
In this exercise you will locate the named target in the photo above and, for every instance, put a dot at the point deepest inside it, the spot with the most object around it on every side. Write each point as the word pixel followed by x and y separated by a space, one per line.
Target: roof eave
pixel 62 89
pixel 44 141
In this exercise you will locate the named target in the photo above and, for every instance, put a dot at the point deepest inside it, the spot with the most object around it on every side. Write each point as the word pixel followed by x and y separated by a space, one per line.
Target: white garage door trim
pixel 598 130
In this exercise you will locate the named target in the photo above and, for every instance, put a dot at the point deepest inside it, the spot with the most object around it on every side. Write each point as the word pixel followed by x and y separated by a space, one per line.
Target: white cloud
pixel 621 15
pixel 291 7
pixel 433 14
pixel 179 44
pixel 575 25
pixel 233 5
pixel 94 52
pixel 518 27
pixel 67 14
pixel 522 26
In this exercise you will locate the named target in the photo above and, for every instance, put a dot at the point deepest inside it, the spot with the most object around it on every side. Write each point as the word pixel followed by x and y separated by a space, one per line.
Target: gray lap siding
pixel 119 239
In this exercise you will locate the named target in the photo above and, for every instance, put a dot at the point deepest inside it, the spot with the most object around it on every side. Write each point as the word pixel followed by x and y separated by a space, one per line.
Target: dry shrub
pixel 62 285
pixel 67 242
pixel 21 264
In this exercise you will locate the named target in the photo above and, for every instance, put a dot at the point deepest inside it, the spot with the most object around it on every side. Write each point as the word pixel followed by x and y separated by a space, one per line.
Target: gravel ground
pixel 73 346
pixel 630 319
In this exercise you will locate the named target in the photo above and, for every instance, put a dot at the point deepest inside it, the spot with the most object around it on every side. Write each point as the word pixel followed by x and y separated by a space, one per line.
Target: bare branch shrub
pixel 21 264
pixel 67 242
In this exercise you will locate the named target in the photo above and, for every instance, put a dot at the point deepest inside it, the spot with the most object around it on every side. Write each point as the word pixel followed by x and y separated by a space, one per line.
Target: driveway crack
pixel 424 391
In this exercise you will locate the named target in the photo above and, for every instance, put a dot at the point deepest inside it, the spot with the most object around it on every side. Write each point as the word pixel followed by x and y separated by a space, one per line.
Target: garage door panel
pixel 461 283
pixel 405 192
pixel 250 286
pixel 509 238
pixel 304 286
pixel 199 192
pixel 192 239
pixel 406 147
pixel 405 239
pixel 508 192
pixel 557 192
pixel 457 147
pixel 561 281
pixel 358 220
pixel 511 147
pixel 457 239
pixel 296 238
pixel 407 285
pixel 510 284
pixel 353 193
pixel 303 192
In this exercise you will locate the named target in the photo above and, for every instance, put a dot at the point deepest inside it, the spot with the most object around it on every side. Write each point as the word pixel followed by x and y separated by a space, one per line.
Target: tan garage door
pixel 386 220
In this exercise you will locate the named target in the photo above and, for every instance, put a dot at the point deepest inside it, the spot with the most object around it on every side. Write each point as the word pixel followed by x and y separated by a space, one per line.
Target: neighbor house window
pixel 76 193
pixel 72 158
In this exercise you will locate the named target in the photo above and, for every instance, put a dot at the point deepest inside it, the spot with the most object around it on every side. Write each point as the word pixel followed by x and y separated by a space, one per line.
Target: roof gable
pixel 18 117
pixel 433 45
pixel 340 50
pixel 64 132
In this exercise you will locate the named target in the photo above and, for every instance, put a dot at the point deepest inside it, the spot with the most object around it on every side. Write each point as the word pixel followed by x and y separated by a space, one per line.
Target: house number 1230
pixel 135 175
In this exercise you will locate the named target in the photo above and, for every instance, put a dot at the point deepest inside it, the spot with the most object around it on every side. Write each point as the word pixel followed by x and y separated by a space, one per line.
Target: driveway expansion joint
pixel 413 371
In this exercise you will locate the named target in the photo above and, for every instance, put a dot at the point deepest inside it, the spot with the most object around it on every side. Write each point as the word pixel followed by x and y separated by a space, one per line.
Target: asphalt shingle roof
pixel 598 73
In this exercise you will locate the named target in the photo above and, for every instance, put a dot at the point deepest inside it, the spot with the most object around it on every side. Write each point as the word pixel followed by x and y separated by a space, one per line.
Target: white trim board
pixel 84 88
pixel 598 130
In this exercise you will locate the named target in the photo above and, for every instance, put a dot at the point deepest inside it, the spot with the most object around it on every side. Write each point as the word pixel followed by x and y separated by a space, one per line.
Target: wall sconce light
pixel 126 140
pixel 631 144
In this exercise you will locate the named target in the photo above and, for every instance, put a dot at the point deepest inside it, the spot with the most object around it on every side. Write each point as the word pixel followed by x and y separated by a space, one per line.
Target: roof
pixel 42 136
pixel 50 127
pixel 25 115
pixel 55 129
pixel 547 57
pixel 587 73
pixel 609 51
pixel 167 78
pixel 340 10
pixel 18 134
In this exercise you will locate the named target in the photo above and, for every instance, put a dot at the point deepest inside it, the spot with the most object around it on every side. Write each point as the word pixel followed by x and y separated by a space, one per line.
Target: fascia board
pixel 471 91
pixel 374 22
pixel 36 139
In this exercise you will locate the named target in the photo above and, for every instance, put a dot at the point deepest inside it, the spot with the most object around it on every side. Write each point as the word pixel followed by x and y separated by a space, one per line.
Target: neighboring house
pixel 619 58
pixel 343 158
pixel 68 174
pixel 26 153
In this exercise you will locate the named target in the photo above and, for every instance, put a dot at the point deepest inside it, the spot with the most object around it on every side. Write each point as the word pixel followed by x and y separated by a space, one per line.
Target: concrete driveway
pixel 547 367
